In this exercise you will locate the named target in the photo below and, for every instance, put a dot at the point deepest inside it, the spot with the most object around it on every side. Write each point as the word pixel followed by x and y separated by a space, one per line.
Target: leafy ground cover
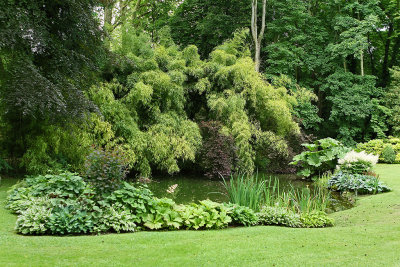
pixel 365 235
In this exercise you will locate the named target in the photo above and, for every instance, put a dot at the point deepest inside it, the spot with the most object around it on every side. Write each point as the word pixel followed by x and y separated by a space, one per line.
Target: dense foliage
pixel 377 146
pixel 64 204
pixel 105 170
pixel 217 155
pixel 322 156
pixel 362 184
pixel 357 162
pixel 49 53
pixel 151 79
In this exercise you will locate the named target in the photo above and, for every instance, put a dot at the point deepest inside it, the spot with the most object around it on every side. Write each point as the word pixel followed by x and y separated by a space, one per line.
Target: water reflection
pixel 192 188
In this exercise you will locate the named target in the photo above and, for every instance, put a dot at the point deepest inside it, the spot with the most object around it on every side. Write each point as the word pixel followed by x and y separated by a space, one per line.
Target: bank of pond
pixel 67 204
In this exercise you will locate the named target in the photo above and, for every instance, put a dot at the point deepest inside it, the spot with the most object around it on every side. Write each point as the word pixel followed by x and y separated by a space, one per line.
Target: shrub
pixel 388 154
pixel 137 199
pixel 112 218
pixel 163 215
pixel 64 185
pixel 205 215
pixel 363 184
pixel 70 217
pixel 357 162
pixel 279 216
pixel 33 220
pixel 271 152
pixel 322 156
pixel 242 215
pixel 4 167
pixel 377 146
pixel 217 155
pixel 315 219
pixel 105 170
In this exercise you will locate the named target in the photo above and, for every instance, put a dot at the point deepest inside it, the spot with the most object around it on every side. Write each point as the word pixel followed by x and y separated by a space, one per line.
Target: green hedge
pixel 377 146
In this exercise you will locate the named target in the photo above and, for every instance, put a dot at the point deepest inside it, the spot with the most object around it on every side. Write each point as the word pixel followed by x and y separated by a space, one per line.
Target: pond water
pixel 193 188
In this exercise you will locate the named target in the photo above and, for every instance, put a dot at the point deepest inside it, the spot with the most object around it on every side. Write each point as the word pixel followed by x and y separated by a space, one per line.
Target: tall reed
pixel 255 192
pixel 246 190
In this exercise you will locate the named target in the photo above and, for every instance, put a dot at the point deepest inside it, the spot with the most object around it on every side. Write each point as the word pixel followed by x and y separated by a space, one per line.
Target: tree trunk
pixel 362 62
pixel 395 52
pixel 257 36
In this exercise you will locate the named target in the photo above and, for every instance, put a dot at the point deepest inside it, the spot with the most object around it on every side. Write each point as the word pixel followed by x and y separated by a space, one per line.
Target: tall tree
pixel 257 36
pixel 49 51
pixel 208 23
pixel 147 15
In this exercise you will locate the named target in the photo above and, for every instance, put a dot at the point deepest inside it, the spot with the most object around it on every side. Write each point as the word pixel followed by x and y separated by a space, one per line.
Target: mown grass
pixel 367 235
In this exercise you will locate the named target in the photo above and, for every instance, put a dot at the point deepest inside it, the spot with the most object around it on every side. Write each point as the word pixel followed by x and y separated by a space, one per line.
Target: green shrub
pixel 163 215
pixel 205 215
pixel 64 185
pixel 363 184
pixel 33 221
pixel 4 167
pixel 377 146
pixel 388 154
pixel 315 219
pixel 105 170
pixel 70 217
pixel 322 156
pixel 242 215
pixel 137 199
pixel 279 216
pixel 113 219
pixel 357 162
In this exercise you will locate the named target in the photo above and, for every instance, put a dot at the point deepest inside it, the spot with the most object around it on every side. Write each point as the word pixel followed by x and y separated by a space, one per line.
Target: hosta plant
pixel 362 184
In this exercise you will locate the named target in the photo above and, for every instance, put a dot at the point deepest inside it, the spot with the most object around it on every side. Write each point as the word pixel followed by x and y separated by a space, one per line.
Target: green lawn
pixel 367 235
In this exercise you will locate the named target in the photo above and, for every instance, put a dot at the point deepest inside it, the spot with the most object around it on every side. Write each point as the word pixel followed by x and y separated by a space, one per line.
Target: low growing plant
pixel 242 215
pixel 315 219
pixel 279 216
pixel 205 215
pixel 136 198
pixel 363 184
pixel 357 162
pixel 33 220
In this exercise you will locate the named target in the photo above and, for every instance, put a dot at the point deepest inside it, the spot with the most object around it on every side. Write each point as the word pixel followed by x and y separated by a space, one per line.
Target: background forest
pixel 193 85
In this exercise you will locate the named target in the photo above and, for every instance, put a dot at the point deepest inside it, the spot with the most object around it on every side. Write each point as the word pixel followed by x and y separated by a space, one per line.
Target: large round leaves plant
pixel 320 157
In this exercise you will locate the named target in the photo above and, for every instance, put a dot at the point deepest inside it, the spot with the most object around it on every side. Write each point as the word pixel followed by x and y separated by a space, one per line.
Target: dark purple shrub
pixel 105 170
pixel 217 155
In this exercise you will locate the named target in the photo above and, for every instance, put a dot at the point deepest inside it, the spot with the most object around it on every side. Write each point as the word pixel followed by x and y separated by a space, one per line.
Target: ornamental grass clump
pixel 246 190
pixel 357 162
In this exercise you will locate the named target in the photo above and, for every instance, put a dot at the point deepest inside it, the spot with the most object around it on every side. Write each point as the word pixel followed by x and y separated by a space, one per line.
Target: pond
pixel 193 188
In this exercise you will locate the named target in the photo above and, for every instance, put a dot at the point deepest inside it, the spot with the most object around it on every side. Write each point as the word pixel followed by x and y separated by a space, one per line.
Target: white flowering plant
pixel 357 162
